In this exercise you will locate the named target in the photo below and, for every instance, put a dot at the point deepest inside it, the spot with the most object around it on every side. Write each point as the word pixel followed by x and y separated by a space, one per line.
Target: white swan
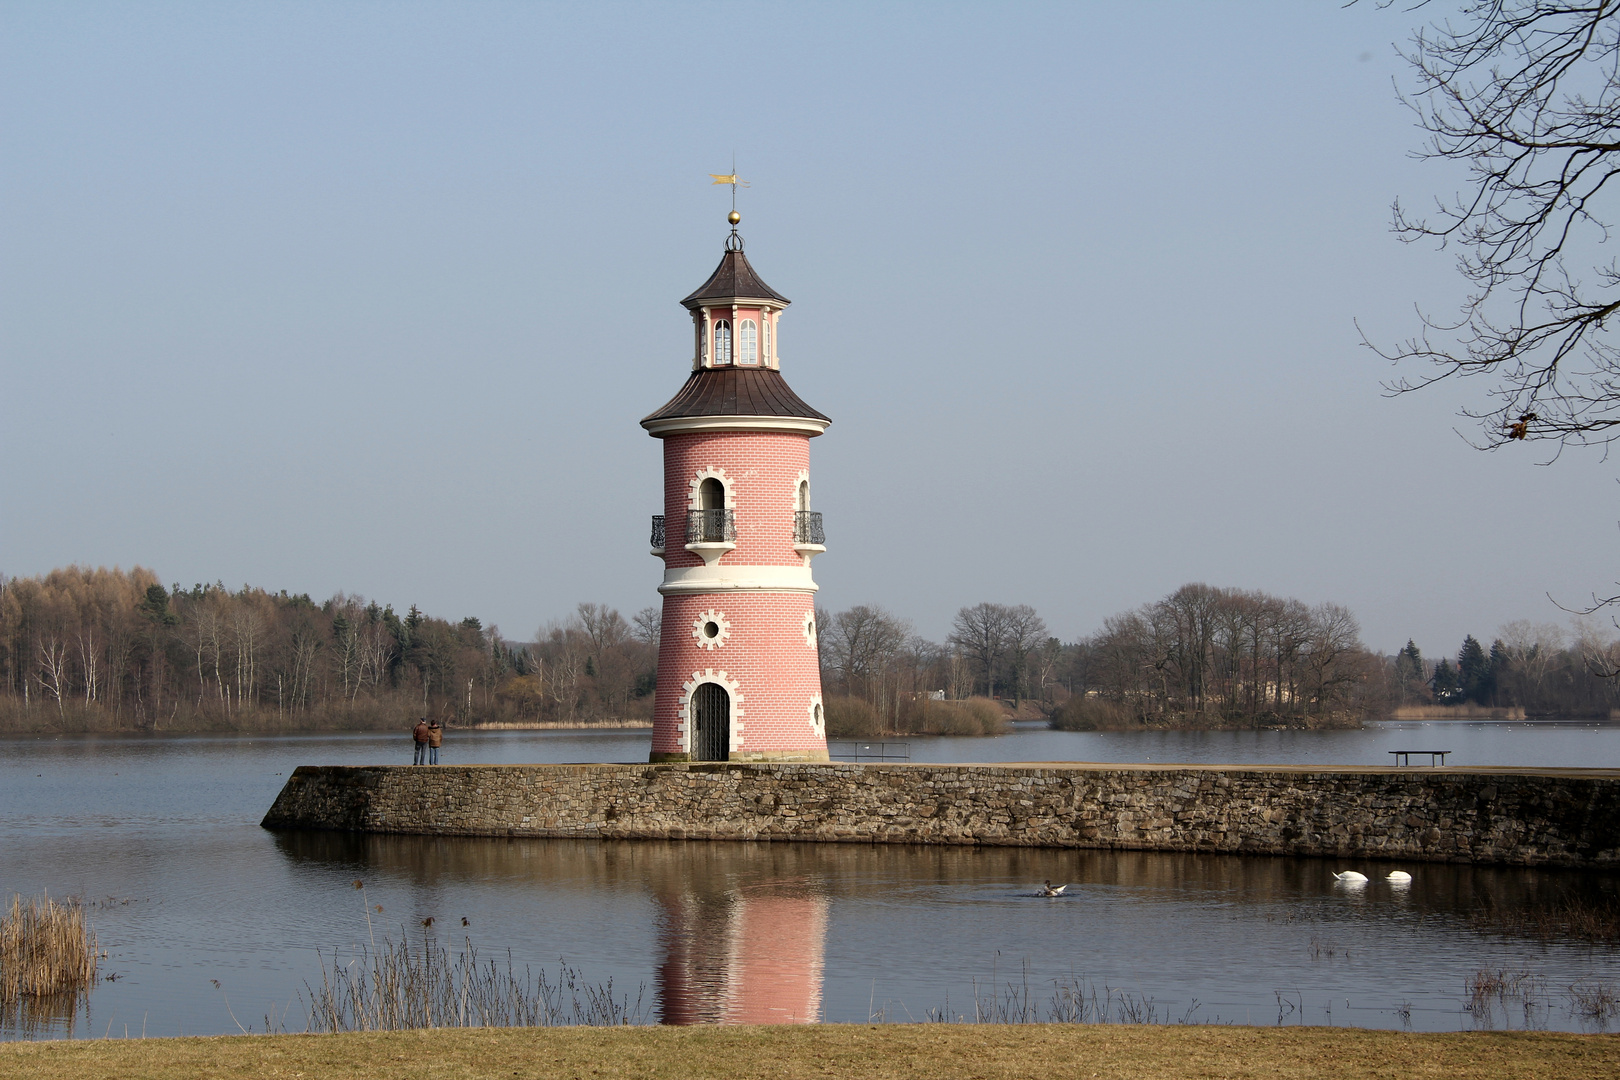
pixel 1052 890
pixel 1399 877
pixel 1350 877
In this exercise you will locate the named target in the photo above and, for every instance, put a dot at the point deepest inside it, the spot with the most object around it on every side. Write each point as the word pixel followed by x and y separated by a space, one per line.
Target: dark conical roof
pixel 734 391
pixel 733 279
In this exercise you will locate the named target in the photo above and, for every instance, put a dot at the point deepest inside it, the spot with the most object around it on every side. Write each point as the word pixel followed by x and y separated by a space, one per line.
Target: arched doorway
pixel 711 722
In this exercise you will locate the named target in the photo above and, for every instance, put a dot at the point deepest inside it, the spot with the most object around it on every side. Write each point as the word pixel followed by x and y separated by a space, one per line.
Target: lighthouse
pixel 738 674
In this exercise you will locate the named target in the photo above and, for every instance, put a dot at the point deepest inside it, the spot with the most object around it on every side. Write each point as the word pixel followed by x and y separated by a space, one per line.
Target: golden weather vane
pixel 735 183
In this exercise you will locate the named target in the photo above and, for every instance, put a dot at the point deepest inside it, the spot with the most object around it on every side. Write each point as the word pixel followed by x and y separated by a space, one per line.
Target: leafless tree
pixel 981 632
pixel 604 626
pixel 1025 632
pixel 861 646
pixel 1526 95
pixel 648 626
pixel 1212 651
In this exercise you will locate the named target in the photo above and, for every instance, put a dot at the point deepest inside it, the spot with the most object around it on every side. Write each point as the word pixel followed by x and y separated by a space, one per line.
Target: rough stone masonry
pixel 1568 817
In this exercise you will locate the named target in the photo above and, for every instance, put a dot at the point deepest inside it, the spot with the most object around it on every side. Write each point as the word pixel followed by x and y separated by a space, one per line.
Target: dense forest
pixel 99 649
pixel 84 649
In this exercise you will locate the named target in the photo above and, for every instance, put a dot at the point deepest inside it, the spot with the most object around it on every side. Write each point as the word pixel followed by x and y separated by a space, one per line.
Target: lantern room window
pixel 766 355
pixel 747 342
pixel 722 342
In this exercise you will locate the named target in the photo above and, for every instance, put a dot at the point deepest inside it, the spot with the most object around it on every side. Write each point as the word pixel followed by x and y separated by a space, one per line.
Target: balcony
pixel 711 526
pixel 711 533
pixel 658 534
pixel 809 538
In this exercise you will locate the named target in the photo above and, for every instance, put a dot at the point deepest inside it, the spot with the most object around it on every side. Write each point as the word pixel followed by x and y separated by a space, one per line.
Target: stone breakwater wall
pixel 1548 818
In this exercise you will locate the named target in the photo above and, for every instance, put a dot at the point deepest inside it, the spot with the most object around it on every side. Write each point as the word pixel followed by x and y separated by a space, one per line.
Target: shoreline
pixel 950 1051
pixel 309 733
pixel 559 725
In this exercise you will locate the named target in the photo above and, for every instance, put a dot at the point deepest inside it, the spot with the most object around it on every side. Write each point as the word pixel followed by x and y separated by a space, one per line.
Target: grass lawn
pixel 1025 1051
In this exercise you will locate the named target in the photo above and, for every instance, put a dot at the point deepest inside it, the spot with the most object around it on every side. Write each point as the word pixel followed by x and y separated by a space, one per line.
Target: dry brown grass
pixel 886 1052
pixel 46 949
pixel 48 957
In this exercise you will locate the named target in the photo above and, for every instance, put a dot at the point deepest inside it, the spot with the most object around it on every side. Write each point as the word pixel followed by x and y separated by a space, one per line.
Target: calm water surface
pixel 161 835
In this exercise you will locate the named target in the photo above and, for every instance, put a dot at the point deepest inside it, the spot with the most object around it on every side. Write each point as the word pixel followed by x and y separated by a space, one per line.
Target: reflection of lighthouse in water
pixel 742 957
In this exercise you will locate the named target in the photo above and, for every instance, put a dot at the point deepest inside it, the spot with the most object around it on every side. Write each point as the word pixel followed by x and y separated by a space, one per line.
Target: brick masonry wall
pixel 1550 818
pixel 764 658
pixel 762 476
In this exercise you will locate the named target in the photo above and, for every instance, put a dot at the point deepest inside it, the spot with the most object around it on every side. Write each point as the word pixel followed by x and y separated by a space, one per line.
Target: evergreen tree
pixel 1474 671
pixel 1411 675
pixel 1447 686
pixel 1409 661
pixel 1501 662
pixel 156 606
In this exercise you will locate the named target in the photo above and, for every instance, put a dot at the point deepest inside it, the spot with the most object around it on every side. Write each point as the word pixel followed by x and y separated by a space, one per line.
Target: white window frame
pixel 747 342
pixel 722 342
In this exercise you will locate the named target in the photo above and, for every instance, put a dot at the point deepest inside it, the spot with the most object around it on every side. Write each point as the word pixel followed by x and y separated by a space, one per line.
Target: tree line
pixel 1202 656
pixel 104 649
pixel 93 649
pixel 1537 667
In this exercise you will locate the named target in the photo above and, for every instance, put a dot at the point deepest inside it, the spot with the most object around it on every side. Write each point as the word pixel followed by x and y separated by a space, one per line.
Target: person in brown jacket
pixel 435 737
pixel 419 735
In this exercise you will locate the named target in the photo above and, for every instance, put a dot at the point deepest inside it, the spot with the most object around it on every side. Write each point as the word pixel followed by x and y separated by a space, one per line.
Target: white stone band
pixel 705 579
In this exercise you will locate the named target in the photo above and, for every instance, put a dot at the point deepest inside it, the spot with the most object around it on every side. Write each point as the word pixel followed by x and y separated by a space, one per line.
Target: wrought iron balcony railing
pixel 658 532
pixel 711 526
pixel 807 527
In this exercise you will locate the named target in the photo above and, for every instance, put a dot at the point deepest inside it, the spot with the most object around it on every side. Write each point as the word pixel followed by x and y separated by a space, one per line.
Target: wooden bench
pixel 1404 757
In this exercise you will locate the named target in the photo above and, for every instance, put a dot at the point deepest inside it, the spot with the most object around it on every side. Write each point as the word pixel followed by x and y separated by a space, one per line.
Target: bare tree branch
pixel 1525 93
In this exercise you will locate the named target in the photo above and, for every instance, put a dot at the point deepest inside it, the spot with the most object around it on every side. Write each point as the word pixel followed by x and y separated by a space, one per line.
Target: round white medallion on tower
pixel 737 536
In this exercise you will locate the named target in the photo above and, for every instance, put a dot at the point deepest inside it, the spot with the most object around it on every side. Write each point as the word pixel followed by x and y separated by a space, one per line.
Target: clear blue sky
pixel 371 297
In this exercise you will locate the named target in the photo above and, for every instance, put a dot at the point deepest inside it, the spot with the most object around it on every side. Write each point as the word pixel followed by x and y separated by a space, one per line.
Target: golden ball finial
pixel 734 217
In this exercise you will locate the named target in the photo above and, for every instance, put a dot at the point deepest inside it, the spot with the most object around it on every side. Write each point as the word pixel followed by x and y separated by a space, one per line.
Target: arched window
pixel 722 342
pixel 801 500
pixel 766 354
pixel 747 342
pixel 703 342
pixel 711 495
pixel 708 523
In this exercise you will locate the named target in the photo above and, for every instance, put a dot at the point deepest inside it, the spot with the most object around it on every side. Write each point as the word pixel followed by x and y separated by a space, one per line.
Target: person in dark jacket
pixel 419 735
pixel 435 737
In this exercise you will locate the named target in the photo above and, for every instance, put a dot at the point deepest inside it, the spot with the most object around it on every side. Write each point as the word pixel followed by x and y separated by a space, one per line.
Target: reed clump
pixel 1072 1001
pixel 48 959
pixel 46 949
pixel 396 987
pixel 1574 919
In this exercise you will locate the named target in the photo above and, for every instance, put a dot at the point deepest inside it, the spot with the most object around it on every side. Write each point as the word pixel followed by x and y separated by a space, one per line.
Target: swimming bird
pixel 1350 877
pixel 1052 890
pixel 1399 877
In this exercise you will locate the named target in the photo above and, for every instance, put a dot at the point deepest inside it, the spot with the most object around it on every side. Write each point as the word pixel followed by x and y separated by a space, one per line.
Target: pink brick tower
pixel 738 677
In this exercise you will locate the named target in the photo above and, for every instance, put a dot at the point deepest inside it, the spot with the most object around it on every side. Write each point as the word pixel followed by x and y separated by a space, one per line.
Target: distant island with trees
pixel 109 650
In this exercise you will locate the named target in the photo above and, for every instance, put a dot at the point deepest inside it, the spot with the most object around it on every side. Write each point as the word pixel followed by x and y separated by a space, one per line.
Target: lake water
pixel 206 916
